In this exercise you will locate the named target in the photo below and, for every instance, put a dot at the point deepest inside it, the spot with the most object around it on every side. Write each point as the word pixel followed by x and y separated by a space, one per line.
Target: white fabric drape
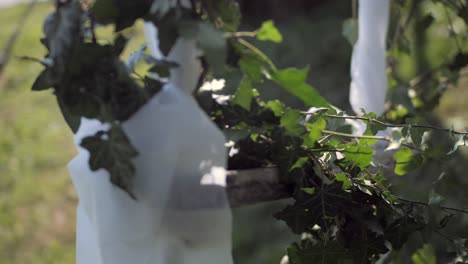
pixel 181 214
pixel 368 65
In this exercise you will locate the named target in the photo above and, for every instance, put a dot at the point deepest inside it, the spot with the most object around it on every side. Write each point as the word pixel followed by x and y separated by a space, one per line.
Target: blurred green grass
pixel 37 214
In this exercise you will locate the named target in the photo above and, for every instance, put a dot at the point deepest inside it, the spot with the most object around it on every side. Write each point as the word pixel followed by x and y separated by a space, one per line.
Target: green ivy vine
pixel 344 207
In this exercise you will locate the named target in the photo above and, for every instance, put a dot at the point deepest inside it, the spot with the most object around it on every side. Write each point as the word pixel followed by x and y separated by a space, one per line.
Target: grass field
pixel 36 197
pixel 37 200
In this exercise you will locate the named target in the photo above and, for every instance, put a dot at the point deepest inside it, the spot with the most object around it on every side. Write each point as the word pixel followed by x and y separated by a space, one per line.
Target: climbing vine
pixel 344 207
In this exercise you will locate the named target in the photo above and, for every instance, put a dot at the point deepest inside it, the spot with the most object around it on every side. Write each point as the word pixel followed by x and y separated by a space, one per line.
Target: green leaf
pixel 299 218
pixel 73 121
pixel 292 121
pixel 424 255
pixel 276 106
pixel 244 94
pixel 358 155
pixel 372 126
pixel 253 67
pixel 62 30
pixel 350 30
pixel 406 161
pixel 310 191
pixel 111 150
pixel 228 12
pixel 368 141
pixel 341 177
pixel 415 133
pixel 320 208
pixel 268 32
pixel 43 81
pixel 299 163
pixel 294 81
pixel 315 132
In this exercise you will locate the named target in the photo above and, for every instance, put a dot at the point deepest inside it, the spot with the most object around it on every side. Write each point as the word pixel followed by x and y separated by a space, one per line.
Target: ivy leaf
pixel 226 11
pixel 310 191
pixel 111 150
pixel 406 161
pixel 299 163
pixel 294 81
pixel 341 177
pixel 253 67
pixel 73 121
pixel 268 32
pixel 43 81
pixel 368 141
pixel 401 227
pixel 315 132
pixel 244 94
pixel 373 127
pixel 417 135
pixel 276 106
pixel 320 208
pixel 299 218
pixel 61 30
pixel 358 155
pixel 292 121
pixel 395 141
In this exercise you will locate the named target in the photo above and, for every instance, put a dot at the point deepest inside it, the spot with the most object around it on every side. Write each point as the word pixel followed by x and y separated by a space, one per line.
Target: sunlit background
pixel 37 199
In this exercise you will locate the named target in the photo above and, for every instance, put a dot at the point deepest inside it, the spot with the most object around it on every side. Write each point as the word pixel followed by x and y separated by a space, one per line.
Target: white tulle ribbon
pixel 181 214
pixel 368 66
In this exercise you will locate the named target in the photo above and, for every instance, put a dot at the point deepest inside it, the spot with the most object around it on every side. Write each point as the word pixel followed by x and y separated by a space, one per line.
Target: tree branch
pixel 248 187
pixel 395 125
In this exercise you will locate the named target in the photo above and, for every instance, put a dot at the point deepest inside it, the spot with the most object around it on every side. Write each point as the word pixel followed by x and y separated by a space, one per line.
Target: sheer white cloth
pixel 368 65
pixel 181 214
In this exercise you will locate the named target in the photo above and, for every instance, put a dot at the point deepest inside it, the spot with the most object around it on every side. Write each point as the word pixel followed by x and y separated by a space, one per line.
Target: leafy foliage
pixel 269 32
pixel 344 208
pixel 111 150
